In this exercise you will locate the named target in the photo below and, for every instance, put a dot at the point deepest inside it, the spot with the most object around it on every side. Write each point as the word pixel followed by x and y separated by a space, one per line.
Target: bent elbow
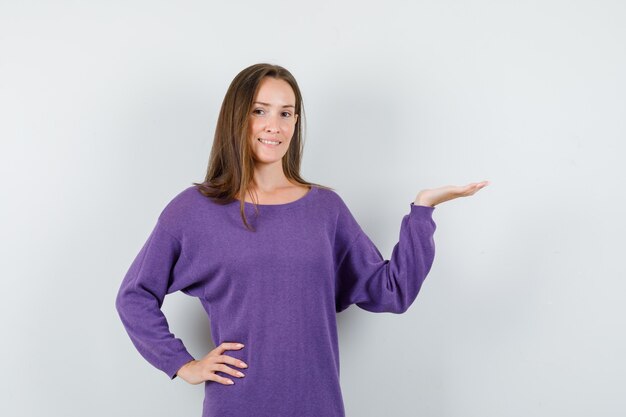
pixel 122 301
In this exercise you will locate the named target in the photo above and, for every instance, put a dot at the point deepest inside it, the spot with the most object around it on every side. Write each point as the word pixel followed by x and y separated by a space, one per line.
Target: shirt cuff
pixel 415 207
pixel 176 363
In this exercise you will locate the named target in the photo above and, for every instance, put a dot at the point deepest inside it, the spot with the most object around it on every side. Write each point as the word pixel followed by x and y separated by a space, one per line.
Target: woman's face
pixel 272 118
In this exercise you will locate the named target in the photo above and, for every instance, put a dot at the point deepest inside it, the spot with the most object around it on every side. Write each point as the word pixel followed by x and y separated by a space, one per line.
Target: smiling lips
pixel 272 143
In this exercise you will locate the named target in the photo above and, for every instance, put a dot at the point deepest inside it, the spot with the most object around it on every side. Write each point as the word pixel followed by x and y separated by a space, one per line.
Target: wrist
pixel 422 203
pixel 184 367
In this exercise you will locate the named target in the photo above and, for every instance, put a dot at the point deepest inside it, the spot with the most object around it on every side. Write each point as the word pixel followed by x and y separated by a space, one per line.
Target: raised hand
pixel 196 372
pixel 432 197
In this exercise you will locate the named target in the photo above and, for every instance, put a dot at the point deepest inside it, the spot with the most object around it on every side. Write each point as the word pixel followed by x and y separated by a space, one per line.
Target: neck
pixel 269 177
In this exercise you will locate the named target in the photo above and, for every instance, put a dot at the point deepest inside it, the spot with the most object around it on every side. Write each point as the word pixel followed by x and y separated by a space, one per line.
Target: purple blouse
pixel 276 290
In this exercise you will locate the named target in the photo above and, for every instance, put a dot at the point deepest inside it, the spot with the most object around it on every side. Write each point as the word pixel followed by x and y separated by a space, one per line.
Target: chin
pixel 266 160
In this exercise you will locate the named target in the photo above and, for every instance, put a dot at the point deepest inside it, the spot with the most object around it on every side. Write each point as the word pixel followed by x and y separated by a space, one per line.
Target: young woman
pixel 272 258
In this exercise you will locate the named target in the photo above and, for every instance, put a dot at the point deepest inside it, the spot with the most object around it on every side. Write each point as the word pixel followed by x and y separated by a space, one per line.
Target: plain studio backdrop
pixel 108 110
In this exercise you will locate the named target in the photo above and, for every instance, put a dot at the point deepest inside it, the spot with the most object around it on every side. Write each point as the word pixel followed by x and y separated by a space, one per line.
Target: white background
pixel 108 109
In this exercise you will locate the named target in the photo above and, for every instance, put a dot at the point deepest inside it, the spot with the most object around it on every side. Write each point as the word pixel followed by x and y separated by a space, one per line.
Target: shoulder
pixel 182 207
pixel 336 207
pixel 332 200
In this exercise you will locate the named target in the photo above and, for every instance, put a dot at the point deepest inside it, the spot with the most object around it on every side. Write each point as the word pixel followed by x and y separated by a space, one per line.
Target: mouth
pixel 272 143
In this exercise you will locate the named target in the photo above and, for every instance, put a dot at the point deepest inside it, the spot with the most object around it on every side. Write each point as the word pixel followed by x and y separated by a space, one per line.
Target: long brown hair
pixel 231 165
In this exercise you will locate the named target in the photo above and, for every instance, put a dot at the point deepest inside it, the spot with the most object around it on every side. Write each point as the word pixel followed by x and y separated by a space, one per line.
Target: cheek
pixel 290 128
pixel 253 130
pixel 253 126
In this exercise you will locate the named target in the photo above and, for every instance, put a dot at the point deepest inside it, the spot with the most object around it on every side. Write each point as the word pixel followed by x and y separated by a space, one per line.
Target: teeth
pixel 269 142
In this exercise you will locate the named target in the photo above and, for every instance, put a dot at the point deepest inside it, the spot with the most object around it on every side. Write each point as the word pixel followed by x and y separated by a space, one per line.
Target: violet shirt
pixel 276 290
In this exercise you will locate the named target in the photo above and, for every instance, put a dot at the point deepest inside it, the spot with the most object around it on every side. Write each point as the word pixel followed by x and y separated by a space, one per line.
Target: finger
pixel 214 368
pixel 226 346
pixel 232 361
pixel 477 185
pixel 468 190
pixel 464 190
pixel 475 188
pixel 481 185
pixel 220 379
pixel 233 345
pixel 228 370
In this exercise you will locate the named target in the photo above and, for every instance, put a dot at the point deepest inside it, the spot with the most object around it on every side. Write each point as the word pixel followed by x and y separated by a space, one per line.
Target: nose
pixel 273 123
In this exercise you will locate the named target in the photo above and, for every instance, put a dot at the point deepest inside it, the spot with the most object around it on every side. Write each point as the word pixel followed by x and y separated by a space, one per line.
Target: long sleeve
pixel 365 278
pixel 160 268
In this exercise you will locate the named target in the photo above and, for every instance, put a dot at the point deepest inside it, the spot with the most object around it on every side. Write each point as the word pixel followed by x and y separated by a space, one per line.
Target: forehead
pixel 275 91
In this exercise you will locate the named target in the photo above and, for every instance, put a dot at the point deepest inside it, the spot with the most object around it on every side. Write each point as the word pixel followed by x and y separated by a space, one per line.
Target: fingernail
pixel 239 345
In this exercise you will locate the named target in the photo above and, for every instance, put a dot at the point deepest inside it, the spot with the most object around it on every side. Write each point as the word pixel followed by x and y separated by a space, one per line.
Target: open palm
pixel 434 196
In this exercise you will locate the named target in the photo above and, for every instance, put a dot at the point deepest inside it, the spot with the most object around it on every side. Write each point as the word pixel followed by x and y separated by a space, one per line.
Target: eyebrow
pixel 267 104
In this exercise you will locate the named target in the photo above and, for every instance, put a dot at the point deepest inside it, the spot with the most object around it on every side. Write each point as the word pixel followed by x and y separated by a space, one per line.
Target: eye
pixel 287 113
pixel 257 110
